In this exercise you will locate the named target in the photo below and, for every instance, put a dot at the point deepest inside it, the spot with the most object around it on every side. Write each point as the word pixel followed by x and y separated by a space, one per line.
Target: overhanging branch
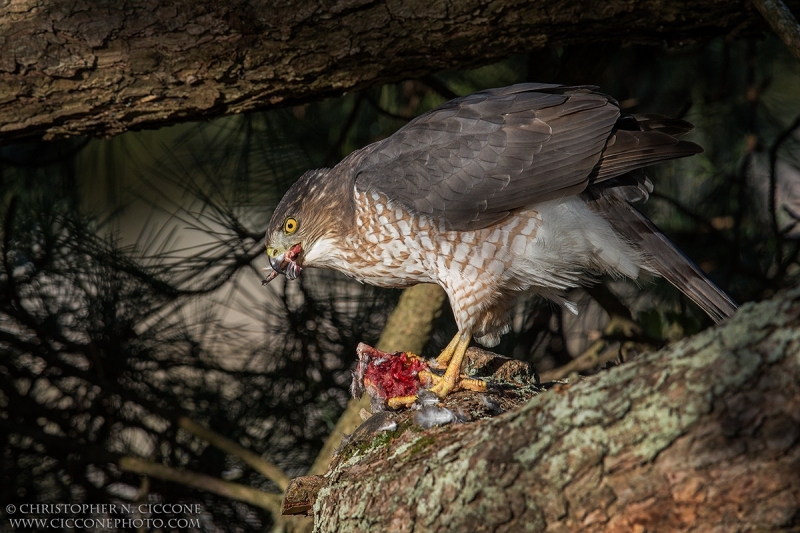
pixel 81 68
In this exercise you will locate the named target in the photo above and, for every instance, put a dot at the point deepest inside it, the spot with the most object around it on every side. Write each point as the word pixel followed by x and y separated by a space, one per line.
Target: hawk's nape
pixel 524 188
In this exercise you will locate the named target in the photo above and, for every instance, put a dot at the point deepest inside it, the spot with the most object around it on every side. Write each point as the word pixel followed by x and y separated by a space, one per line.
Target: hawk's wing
pixel 475 159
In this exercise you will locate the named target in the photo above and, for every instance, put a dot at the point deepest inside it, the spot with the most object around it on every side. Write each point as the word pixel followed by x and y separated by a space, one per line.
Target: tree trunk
pixel 72 67
pixel 703 436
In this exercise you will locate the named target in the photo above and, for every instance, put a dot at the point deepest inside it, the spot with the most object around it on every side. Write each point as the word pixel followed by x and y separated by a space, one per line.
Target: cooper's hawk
pixel 524 188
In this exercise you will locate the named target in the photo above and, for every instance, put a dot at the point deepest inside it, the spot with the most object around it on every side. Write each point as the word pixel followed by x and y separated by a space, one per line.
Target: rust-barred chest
pixel 394 247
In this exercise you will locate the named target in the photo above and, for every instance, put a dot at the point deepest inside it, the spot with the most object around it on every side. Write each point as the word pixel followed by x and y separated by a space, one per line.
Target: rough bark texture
pixel 701 436
pixel 100 67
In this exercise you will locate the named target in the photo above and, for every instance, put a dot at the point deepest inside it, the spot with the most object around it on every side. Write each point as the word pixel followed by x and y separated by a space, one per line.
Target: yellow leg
pixel 475 385
pixel 428 379
pixel 401 401
pixel 451 375
pixel 447 353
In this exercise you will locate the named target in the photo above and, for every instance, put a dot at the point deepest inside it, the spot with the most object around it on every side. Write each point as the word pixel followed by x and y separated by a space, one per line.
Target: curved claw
pixel 401 401
pixel 463 382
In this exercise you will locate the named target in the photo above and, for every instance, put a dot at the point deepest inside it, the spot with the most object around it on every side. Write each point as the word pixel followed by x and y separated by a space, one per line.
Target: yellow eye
pixel 290 225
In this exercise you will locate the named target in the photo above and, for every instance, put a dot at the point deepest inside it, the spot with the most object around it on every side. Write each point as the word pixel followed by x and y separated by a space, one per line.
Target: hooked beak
pixel 286 264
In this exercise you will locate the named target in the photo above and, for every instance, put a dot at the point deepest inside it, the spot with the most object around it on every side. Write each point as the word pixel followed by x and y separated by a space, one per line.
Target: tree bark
pixel 701 436
pixel 71 67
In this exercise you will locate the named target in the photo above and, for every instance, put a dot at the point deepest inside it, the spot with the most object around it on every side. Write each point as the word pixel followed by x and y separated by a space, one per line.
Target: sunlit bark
pixel 700 436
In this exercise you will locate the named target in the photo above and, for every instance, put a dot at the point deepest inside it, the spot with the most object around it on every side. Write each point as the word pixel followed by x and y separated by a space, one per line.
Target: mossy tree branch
pixel 703 435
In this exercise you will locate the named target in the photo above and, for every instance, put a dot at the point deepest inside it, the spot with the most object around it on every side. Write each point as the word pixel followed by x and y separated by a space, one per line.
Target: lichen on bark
pixel 702 435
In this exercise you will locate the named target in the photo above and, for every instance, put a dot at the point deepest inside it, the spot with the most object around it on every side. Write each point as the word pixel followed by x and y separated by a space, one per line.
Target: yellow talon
pixel 475 385
pixel 453 356
pixel 429 379
pixel 401 401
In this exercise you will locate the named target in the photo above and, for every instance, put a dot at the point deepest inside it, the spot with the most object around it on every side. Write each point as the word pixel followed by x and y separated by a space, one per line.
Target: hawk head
pixel 305 224
pixel 285 243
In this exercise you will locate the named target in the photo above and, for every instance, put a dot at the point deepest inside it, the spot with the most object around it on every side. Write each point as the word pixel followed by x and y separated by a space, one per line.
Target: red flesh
pixel 293 252
pixel 394 375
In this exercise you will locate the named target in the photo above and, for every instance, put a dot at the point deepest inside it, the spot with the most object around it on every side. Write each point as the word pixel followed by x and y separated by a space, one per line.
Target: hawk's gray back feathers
pixel 476 159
